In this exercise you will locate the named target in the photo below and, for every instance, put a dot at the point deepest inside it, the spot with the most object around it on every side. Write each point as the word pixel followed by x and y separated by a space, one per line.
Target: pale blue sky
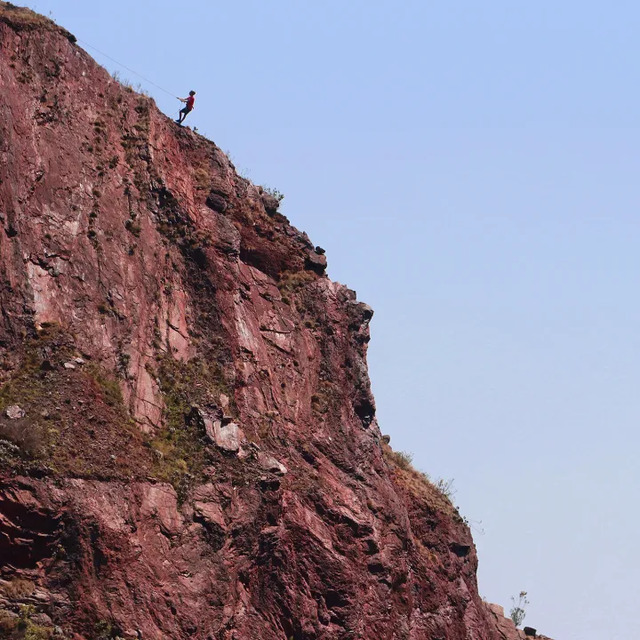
pixel 472 170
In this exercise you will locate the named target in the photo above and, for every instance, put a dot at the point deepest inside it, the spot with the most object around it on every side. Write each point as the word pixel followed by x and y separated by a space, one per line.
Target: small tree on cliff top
pixel 518 612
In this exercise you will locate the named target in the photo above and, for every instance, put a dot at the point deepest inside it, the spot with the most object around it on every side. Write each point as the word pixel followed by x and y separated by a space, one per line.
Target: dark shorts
pixel 185 110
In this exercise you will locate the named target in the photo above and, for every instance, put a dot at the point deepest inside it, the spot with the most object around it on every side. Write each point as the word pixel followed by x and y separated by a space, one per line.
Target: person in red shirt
pixel 188 106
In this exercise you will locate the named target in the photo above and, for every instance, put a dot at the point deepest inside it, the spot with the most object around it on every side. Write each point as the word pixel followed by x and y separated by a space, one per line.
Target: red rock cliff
pixel 188 441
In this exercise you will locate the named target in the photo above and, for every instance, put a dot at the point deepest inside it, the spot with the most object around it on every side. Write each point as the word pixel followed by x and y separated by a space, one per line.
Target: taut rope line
pixel 124 66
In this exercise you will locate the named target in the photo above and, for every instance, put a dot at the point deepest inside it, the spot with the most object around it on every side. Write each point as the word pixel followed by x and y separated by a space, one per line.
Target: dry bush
pixel 202 179
pixel 18 588
pixel 402 459
pixel 291 281
pixel 27 436
pixel 419 484
pixel 8 624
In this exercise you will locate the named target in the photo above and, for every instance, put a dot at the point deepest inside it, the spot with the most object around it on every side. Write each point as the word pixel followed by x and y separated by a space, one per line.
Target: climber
pixel 188 106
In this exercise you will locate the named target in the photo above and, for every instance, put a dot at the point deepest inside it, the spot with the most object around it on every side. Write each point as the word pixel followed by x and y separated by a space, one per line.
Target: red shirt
pixel 190 101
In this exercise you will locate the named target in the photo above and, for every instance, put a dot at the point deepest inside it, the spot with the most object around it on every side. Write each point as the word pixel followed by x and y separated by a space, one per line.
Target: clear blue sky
pixel 472 170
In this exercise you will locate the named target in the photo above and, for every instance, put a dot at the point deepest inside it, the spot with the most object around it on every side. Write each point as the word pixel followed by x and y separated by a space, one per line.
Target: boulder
pixel 227 437
pixel 219 429
pixel 269 463
pixel 316 262
pixel 15 412
pixel 216 202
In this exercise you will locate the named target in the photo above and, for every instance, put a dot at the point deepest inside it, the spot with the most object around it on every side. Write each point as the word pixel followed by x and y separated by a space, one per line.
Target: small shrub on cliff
pixel 518 613
pixel 402 459
pixel 21 627
pixel 202 179
pixel 278 195
pixel 8 624
pixel 109 385
pixel 446 487
pixel 18 588
pixel 291 281
pixel 435 494
pixel 104 630
pixel 123 81
pixel 29 439
pixel 132 227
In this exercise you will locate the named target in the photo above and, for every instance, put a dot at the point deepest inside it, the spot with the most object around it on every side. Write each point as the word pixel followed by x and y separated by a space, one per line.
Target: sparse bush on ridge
pixel 404 461
pixel 518 613
pixel 275 193
pixel 446 487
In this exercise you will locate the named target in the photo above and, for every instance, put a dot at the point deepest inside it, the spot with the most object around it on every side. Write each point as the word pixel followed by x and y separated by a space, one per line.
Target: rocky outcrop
pixel 188 439
pixel 505 627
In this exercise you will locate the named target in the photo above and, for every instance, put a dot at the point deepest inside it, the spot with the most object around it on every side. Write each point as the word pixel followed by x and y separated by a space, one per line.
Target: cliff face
pixel 188 441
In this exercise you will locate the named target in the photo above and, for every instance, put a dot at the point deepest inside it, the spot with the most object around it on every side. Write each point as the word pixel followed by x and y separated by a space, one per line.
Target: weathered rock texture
pixel 507 629
pixel 196 453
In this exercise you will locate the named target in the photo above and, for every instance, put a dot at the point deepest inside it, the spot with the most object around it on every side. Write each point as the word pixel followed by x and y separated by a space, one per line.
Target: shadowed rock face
pixel 196 453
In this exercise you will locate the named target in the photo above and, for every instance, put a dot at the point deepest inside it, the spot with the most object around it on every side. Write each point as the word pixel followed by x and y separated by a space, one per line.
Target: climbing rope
pixel 102 53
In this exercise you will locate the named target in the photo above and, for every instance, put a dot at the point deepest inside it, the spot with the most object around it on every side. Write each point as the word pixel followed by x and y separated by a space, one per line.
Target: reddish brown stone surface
pixel 506 628
pixel 199 455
